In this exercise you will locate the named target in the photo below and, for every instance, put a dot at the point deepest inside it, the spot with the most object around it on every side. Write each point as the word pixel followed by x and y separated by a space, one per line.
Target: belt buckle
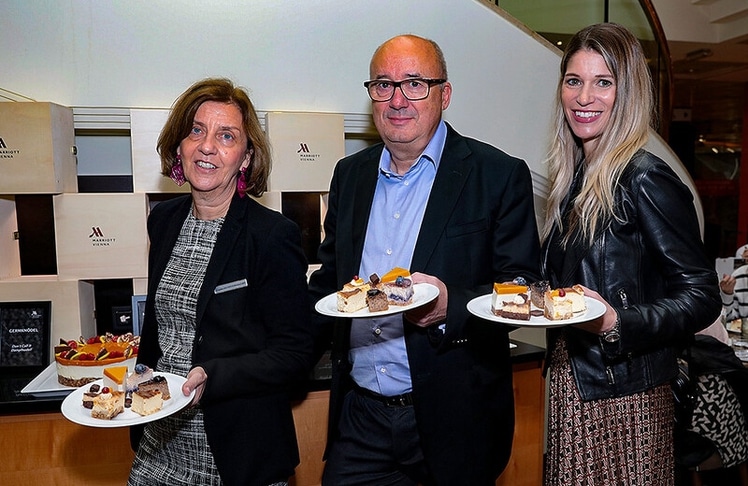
pixel 398 401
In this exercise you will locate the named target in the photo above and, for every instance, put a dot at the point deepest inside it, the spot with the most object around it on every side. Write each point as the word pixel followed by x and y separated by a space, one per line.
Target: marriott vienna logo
pixel 306 155
pixel 5 152
pixel 98 238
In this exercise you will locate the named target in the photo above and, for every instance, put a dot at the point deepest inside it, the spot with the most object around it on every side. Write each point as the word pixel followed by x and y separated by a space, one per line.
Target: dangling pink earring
pixel 177 172
pixel 241 182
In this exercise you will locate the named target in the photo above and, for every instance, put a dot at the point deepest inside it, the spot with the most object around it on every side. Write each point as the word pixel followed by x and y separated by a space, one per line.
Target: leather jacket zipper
pixel 625 303
pixel 624 298
pixel 611 377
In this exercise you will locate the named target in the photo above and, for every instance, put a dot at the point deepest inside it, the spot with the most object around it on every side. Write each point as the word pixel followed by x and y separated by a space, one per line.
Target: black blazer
pixel 479 227
pixel 253 341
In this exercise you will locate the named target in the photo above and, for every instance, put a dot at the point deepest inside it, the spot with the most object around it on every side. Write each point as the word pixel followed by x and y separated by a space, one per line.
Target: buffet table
pixel 39 443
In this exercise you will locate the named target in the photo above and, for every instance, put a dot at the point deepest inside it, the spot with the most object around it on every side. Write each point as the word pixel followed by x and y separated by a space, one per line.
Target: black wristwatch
pixel 614 335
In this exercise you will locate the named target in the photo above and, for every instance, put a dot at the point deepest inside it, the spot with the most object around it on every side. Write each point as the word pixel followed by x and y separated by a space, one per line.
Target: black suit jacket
pixel 479 228
pixel 254 341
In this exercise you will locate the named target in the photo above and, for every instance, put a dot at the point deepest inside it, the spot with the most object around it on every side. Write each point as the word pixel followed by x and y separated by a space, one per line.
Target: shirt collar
pixel 432 152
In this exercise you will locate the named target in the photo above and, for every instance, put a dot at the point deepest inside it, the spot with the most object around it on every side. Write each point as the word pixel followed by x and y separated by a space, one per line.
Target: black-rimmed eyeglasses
pixel 413 89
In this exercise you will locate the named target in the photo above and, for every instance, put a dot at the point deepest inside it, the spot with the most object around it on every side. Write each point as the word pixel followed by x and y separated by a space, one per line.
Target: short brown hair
pixel 182 115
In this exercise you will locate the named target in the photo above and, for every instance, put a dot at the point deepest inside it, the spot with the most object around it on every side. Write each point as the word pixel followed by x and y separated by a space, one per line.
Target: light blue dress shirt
pixel 378 353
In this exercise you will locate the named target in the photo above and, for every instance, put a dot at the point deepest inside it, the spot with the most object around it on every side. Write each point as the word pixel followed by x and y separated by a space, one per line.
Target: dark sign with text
pixel 24 334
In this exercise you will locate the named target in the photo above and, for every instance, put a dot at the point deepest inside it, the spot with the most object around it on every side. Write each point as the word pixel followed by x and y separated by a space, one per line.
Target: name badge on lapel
pixel 227 287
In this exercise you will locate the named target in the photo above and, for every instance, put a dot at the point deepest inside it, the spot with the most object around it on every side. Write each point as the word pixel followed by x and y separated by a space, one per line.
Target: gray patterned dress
pixel 174 450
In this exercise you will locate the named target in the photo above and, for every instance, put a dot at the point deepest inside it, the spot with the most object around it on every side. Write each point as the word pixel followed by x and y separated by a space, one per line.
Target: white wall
pixel 291 55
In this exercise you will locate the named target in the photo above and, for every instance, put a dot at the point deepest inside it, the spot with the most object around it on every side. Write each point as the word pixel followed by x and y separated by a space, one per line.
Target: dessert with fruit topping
pixel 395 285
pixel 398 292
pixel 376 300
pixel 114 377
pixel 504 292
pixel 352 297
pixel 563 303
pixel 83 361
pixel 140 374
pixel 392 275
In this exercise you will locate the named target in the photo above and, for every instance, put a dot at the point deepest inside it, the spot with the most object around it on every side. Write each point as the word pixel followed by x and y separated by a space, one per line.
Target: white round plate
pixel 73 410
pixel 423 293
pixel 481 307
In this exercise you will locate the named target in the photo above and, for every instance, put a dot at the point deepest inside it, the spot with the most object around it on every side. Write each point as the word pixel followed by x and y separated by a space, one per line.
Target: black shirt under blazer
pixel 253 341
pixel 478 228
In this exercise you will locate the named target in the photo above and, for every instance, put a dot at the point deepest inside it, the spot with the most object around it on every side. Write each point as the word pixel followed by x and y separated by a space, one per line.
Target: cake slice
pixel 88 398
pixel 557 305
pixel 140 374
pixel 146 402
pixel 114 377
pixel 518 308
pixel 537 293
pixel 376 300
pixel 399 292
pixel 351 300
pixel 108 405
pixel 576 295
pixel 504 292
pixel 159 383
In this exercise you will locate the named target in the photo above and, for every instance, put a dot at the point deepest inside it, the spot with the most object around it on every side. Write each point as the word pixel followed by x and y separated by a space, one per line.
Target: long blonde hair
pixel 632 114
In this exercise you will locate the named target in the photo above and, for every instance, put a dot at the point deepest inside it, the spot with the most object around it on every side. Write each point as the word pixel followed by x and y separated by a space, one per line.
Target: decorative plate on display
pixel 423 293
pixel 46 385
pixel 73 409
pixel 481 307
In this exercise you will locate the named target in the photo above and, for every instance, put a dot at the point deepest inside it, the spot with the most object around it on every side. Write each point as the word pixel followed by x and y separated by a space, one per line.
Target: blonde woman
pixel 621 223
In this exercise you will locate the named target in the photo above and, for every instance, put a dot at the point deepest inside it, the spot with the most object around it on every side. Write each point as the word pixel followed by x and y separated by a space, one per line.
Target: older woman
pixel 227 303
pixel 622 224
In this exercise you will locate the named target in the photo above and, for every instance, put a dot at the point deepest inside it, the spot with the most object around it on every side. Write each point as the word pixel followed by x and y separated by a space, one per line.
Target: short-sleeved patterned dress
pixel 174 450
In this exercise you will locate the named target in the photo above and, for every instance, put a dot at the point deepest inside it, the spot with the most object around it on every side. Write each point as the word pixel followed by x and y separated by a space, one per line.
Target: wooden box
pixel 37 148
pixel 10 262
pixel 72 303
pixel 145 127
pixel 101 236
pixel 306 147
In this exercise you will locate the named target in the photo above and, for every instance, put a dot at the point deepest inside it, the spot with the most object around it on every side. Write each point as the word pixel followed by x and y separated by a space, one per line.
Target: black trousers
pixel 378 445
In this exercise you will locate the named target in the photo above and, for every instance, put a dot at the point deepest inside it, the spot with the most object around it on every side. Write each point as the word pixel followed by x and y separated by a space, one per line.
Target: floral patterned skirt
pixel 610 442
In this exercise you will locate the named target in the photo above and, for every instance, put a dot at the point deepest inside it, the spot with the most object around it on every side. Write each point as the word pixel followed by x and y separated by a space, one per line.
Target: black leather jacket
pixel 651 267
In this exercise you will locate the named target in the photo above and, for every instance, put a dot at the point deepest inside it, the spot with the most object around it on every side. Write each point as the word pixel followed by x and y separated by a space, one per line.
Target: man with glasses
pixel 424 396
